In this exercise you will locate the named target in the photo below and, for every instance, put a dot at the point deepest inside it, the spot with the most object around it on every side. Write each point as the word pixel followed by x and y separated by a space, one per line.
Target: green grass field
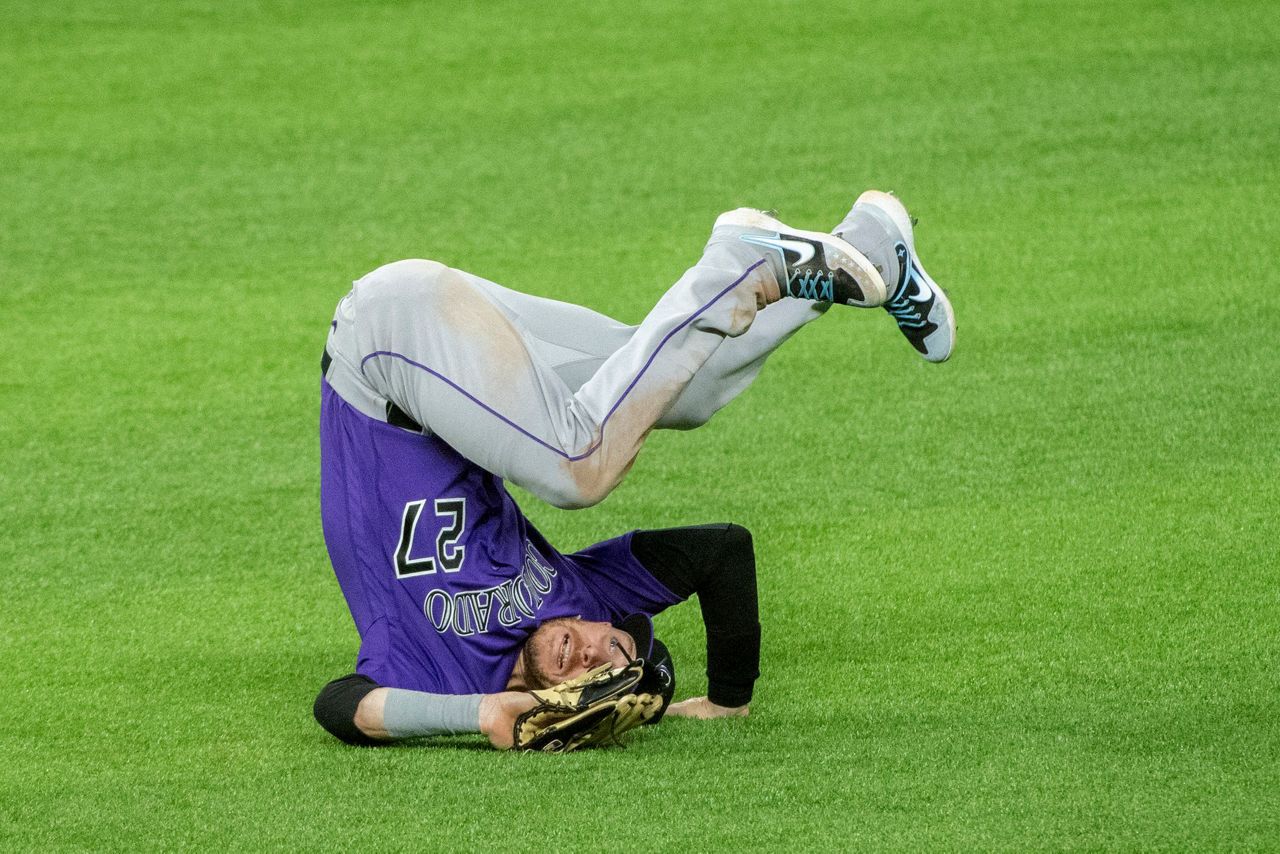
pixel 1027 599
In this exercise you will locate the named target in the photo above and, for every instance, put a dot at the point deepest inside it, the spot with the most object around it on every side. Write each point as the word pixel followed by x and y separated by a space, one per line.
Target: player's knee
pixel 680 419
pixel 574 496
pixel 583 483
pixel 568 499
pixel 697 405
pixel 400 275
pixel 410 285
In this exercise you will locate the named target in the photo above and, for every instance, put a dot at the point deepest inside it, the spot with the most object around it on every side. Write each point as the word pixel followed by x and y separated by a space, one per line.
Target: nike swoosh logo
pixel 801 248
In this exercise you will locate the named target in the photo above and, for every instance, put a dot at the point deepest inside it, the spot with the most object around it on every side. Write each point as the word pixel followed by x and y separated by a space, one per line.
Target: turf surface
pixel 1027 599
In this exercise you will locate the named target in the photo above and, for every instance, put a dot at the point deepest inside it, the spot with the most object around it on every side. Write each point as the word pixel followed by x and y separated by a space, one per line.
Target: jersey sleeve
pixel 716 562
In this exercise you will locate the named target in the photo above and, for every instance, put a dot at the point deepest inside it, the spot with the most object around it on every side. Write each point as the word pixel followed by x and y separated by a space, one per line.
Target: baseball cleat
pixel 815 266
pixel 880 226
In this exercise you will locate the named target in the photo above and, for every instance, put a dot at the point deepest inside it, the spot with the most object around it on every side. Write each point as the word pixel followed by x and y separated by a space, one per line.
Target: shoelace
pixel 906 312
pixel 812 285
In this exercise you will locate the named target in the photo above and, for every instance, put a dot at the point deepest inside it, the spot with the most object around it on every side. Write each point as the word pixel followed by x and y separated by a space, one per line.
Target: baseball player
pixel 439 385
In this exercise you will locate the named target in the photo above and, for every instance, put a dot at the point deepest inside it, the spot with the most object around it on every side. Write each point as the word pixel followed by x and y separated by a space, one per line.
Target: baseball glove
pixel 592 710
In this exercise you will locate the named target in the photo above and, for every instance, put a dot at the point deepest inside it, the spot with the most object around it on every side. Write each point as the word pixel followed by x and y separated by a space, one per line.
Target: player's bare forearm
pixel 703 709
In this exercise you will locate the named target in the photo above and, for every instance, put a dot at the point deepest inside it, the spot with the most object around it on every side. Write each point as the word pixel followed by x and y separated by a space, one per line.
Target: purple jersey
pixel 444 576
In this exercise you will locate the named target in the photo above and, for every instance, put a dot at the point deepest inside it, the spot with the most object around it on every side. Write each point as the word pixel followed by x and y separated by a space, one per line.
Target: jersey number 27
pixel 449 554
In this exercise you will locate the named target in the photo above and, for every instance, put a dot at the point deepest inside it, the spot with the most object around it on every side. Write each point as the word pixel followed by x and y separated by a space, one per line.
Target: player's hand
pixel 498 713
pixel 703 709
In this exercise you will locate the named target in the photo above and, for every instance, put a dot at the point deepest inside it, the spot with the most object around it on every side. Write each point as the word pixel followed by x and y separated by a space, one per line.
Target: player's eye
pixel 564 651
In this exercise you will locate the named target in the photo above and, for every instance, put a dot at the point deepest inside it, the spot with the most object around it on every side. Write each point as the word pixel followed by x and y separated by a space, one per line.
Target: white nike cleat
pixel 816 266
pixel 880 226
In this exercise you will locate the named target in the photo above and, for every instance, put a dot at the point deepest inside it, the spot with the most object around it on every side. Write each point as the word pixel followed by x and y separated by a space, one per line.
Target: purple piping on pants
pixel 612 409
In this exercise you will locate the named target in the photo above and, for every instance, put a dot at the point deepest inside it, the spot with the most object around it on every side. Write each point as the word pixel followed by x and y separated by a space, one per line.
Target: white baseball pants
pixel 551 396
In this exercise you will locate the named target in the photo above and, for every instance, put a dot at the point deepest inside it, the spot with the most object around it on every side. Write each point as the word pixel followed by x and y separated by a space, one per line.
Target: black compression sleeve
pixel 336 705
pixel 718 563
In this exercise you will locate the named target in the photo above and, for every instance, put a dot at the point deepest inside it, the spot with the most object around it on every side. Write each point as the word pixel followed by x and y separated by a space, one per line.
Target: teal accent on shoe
pixel 808 284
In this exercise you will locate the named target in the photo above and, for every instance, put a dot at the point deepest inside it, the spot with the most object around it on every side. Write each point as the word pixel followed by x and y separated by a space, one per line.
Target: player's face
pixel 563 649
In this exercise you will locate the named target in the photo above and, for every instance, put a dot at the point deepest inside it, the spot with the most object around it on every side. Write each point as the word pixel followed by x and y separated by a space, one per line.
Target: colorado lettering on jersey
pixel 470 612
